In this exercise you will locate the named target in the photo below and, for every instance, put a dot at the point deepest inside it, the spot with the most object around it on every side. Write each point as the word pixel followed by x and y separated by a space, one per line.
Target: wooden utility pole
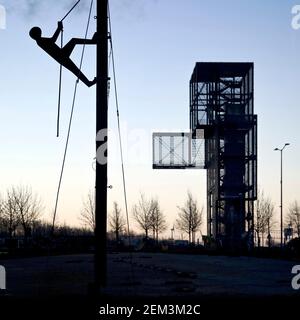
pixel 101 132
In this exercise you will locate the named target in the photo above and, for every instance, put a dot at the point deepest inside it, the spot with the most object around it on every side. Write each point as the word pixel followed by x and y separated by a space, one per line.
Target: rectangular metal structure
pixel 178 150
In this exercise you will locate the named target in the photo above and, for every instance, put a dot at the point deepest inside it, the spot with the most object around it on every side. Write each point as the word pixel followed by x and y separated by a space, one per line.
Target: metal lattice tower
pixel 223 140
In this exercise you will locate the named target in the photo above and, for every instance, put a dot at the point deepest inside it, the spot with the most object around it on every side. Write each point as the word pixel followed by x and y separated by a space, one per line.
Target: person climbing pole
pixel 62 55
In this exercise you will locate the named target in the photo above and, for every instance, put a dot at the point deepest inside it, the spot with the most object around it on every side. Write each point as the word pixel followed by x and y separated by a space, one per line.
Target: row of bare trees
pixel 148 216
pixel 20 209
pixel 152 221
pixel 265 222
pixel 87 216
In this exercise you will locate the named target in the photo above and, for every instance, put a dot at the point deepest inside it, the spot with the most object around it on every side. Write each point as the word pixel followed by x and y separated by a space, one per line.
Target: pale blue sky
pixel 157 43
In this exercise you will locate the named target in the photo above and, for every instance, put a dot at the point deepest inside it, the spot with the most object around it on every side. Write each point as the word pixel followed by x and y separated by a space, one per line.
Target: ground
pixel 187 277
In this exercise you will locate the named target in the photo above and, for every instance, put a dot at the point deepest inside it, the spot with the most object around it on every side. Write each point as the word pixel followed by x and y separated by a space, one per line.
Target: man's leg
pixel 69 47
pixel 70 65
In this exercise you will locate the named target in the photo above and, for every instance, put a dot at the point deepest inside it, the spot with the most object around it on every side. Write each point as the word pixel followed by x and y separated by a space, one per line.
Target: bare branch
pixel 293 217
pixel 117 221
pixel 157 219
pixel 87 215
pixel 21 207
pixel 189 217
pixel 264 218
pixel 142 214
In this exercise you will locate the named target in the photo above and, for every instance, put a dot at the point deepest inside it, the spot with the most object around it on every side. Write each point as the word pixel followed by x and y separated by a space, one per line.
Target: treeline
pixel 151 219
pixel 20 211
pixel 21 215
pixel 148 217
pixel 265 223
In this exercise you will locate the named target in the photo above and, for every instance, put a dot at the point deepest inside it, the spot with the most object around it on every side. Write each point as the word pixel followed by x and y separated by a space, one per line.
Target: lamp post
pixel 281 198
pixel 172 233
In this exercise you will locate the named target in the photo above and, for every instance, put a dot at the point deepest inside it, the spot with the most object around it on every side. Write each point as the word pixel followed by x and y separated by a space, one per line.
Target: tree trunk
pixel 10 232
pixel 269 235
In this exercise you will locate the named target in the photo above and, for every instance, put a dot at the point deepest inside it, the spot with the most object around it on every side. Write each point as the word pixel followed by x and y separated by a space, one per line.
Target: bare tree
pixel 269 218
pixel 26 205
pixel 258 222
pixel 293 217
pixel 87 214
pixel 189 218
pixel 117 222
pixel 142 214
pixel 2 220
pixel 264 219
pixel 158 221
pixel 10 218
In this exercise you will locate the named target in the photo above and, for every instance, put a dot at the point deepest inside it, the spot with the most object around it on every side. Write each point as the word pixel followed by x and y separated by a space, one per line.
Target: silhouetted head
pixel 35 33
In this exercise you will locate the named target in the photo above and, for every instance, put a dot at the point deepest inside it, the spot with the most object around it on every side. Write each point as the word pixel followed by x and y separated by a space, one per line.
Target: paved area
pixel 145 274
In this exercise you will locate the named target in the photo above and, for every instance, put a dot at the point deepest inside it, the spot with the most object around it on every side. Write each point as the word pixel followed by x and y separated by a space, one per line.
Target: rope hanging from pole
pixel 70 121
pixel 120 144
pixel 119 127
pixel 60 69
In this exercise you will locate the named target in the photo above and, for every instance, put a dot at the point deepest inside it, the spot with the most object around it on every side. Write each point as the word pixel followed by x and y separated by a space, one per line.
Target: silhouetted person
pixel 62 55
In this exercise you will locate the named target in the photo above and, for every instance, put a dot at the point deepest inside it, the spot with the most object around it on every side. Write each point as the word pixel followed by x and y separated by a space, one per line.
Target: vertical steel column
pixel 281 199
pixel 101 131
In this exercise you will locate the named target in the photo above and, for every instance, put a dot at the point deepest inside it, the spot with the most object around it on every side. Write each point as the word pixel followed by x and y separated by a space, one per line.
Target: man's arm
pixel 58 31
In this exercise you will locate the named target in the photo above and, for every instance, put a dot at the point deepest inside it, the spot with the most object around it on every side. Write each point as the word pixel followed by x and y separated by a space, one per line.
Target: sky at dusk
pixel 156 43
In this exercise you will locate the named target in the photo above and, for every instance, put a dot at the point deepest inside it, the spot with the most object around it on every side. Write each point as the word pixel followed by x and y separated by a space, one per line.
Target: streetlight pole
pixel 281 193
pixel 172 233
